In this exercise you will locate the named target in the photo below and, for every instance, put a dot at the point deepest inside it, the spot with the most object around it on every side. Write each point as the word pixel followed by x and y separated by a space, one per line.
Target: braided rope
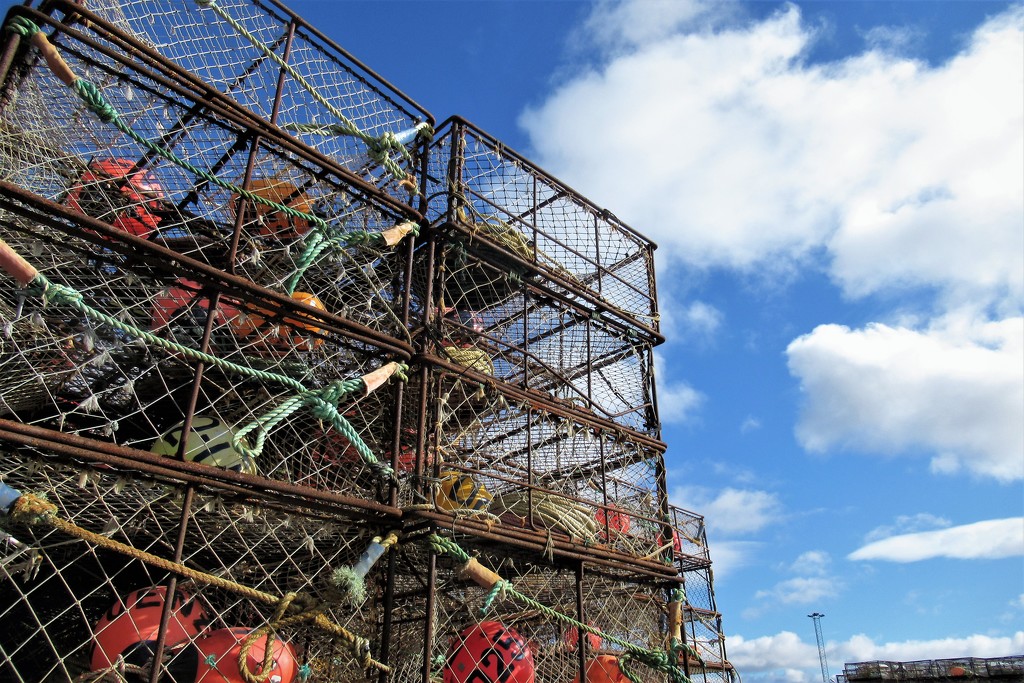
pixel 32 510
pixel 324 406
pixel 659 660
pixel 379 147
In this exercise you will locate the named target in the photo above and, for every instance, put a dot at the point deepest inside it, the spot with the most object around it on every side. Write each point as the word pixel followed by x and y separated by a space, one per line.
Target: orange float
pixel 572 639
pixel 603 669
pixel 618 522
pixel 181 303
pixel 271 221
pixel 110 191
pixel 218 658
pixel 130 626
pixel 283 335
pixel 489 652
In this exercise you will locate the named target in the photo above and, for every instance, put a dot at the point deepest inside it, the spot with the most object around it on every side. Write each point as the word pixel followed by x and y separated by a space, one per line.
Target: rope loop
pixel 23 26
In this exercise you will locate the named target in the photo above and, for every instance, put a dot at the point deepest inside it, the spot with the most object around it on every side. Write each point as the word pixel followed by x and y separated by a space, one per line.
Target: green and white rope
pixel 323 404
pixel 380 147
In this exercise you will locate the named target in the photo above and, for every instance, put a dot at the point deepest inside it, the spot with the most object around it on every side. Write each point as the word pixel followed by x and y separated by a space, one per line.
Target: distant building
pixel 995 670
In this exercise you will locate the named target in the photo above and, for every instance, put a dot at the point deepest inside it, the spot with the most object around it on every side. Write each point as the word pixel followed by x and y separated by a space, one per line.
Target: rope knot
pixel 31 509
pixel 23 26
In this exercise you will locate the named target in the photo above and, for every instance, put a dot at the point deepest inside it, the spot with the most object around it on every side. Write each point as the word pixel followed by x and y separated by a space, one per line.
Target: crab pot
pixel 535 341
pixel 58 154
pixel 520 218
pixel 325 99
pixel 455 633
pixel 66 596
pixel 77 373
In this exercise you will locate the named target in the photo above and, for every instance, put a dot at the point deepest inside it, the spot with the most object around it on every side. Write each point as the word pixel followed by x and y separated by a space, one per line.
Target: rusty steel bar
pixel 537 542
pixel 542 401
pixel 123 457
pixel 582 641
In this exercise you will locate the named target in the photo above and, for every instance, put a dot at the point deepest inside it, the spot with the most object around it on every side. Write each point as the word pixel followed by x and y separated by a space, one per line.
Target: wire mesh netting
pixel 501 201
pixel 324 97
pixel 471 631
pixel 71 605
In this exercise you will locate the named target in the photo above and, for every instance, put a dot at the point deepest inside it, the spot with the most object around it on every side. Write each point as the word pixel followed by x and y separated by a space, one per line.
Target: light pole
pixel 821 646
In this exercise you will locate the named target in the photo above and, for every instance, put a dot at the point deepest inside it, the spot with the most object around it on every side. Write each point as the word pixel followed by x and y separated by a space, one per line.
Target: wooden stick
pixel 53 59
pixel 14 265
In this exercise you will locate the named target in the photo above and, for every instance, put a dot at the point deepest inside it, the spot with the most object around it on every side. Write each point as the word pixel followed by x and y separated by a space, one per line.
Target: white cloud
pixel 955 389
pixel 990 539
pixel 619 26
pixel 800 590
pixel 701 320
pixel 907 524
pixel 777 658
pixel 811 563
pixel 750 423
pixel 730 511
pixel 677 400
pixel 729 149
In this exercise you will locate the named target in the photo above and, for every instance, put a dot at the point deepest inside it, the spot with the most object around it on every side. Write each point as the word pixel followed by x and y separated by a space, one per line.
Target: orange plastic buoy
pixel 129 627
pixel 109 191
pixel 618 522
pixel 219 654
pixel 957 671
pixel 571 638
pixel 603 669
pixel 287 334
pixel 489 652
pixel 273 222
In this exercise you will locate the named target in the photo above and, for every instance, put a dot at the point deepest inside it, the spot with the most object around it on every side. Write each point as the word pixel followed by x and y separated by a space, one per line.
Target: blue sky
pixel 837 189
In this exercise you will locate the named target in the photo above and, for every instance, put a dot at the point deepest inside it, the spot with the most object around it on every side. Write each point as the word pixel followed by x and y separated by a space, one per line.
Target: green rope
pixel 320 240
pixel 380 147
pixel 323 236
pixel 659 660
pixel 23 26
pixel 60 295
pixel 323 404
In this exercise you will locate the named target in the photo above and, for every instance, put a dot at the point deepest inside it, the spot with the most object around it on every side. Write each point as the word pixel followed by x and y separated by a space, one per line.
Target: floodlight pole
pixel 821 646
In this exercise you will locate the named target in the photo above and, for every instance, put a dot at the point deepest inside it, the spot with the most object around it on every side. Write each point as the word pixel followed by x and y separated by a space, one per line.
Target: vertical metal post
pixel 583 638
pixel 428 626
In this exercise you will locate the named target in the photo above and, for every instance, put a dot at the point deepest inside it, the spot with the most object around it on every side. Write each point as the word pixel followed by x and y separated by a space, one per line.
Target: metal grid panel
pixel 515 331
pixel 494 195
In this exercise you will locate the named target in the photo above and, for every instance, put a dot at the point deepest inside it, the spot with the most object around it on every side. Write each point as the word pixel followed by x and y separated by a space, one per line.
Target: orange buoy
pixel 285 335
pixel 603 669
pixel 274 222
